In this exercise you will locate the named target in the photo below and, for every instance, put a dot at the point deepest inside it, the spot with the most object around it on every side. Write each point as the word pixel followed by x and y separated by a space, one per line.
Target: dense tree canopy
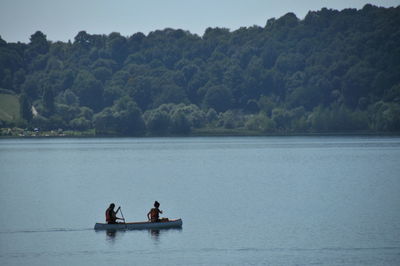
pixel 332 71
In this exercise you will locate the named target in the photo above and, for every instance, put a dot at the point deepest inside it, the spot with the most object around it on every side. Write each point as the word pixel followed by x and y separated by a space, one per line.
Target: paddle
pixel 120 210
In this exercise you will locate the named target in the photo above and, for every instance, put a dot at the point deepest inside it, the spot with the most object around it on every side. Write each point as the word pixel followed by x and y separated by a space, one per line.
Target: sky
pixel 62 20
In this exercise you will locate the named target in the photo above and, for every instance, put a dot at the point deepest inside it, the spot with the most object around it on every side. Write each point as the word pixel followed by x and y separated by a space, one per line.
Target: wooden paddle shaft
pixel 120 210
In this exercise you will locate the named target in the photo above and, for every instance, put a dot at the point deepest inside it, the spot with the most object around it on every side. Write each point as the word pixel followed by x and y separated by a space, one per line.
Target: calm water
pixel 243 201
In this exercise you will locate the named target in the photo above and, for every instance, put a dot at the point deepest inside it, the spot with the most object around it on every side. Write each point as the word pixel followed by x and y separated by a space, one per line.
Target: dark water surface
pixel 243 200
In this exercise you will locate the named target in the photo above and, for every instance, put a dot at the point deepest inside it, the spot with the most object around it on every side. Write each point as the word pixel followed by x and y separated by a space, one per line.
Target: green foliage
pixel 218 98
pixel 180 123
pixel 89 90
pixel 128 117
pixel 174 118
pixel 104 122
pixel 338 118
pixel 211 115
pixel 68 97
pixel 385 116
pixel 124 117
pixel 266 104
pixel 140 90
pixel 38 45
pixel 194 115
pixel 228 120
pixel 281 118
pixel 40 122
pixel 331 71
pixel 48 100
pixel 157 122
pixel 393 94
pixel 261 122
pixel 25 107
pixel 68 112
pixel 102 73
pixel 80 124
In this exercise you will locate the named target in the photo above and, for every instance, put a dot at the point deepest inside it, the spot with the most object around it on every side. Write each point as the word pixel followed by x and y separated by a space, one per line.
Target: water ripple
pixel 51 230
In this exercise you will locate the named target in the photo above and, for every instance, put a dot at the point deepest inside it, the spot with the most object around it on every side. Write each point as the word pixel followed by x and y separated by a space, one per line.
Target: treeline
pixel 332 71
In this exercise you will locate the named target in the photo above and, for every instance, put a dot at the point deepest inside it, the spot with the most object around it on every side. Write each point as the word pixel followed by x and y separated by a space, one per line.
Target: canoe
pixel 139 225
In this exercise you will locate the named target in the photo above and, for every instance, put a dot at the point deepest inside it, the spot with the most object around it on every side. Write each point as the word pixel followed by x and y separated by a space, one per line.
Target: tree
pixel 82 40
pixel 104 122
pixel 211 115
pixel 157 122
pixel 170 93
pixel 281 118
pixel 385 116
pixel 67 112
pixel 357 82
pixel 180 124
pixel 102 73
pixel 117 46
pixel 123 118
pixel 89 90
pixel 261 123
pixel 80 123
pixel 25 107
pixel 128 117
pixel 290 63
pixel 228 120
pixel 140 90
pixel 338 118
pixel 38 44
pixel 333 70
pixel 48 100
pixel 218 98
pixel 68 97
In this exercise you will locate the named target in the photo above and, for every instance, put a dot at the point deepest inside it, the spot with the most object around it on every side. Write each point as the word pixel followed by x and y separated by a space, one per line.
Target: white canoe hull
pixel 139 225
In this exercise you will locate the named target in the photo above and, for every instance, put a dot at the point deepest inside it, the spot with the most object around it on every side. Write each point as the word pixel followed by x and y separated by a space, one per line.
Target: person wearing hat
pixel 154 213
pixel 111 215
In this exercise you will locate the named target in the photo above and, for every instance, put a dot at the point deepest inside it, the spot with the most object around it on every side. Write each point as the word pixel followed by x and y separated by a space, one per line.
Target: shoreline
pixel 197 133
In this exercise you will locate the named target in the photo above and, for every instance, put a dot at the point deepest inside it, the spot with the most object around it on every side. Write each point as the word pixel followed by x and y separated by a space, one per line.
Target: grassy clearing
pixel 9 108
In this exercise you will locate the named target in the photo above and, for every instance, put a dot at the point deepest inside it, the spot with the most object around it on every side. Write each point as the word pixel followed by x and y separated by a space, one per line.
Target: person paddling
pixel 111 215
pixel 154 213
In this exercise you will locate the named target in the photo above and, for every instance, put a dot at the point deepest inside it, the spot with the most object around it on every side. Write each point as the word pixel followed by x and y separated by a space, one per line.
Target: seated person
pixel 154 213
pixel 111 215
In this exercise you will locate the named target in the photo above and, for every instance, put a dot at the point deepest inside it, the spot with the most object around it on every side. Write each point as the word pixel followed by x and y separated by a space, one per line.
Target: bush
pixel 338 118
pixel 211 115
pixel 179 123
pixel 385 116
pixel 261 123
pixel 157 122
pixel 80 123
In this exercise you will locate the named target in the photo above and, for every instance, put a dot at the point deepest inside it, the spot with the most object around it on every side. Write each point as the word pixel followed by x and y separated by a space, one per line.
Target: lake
pixel 243 200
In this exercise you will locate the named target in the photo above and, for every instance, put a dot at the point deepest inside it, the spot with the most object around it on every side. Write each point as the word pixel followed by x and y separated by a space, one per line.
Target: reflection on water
pixel 156 234
pixel 111 236
pixel 111 233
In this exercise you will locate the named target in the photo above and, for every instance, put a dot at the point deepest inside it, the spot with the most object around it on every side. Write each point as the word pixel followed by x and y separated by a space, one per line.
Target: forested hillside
pixel 333 71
